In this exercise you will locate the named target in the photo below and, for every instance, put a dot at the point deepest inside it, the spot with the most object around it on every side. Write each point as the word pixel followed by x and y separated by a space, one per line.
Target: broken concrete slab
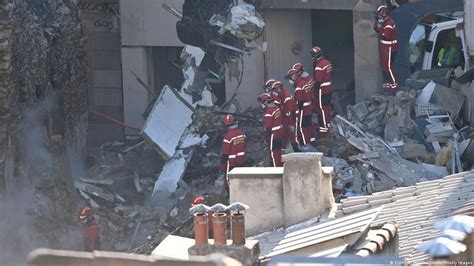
pixel 448 99
pixel 421 78
pixel 167 122
pixel 438 170
pixel 172 172
pixel 412 150
pixel 95 190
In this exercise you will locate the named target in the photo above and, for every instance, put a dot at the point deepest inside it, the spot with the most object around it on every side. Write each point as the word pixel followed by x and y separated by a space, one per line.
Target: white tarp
pixel 166 122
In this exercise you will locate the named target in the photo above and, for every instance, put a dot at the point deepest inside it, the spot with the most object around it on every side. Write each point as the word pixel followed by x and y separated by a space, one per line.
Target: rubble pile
pixel 403 139
pixel 385 115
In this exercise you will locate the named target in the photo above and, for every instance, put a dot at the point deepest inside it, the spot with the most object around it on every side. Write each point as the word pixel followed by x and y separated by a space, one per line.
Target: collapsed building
pixel 101 81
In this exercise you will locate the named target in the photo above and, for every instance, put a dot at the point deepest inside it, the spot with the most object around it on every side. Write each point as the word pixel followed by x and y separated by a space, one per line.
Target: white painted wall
pixel 146 23
pixel 285 28
pixel 252 81
pixel 135 97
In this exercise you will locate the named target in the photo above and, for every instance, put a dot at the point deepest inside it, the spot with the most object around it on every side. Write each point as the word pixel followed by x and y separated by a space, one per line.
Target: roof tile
pixel 386 234
pixel 379 202
pixel 356 208
pixel 349 202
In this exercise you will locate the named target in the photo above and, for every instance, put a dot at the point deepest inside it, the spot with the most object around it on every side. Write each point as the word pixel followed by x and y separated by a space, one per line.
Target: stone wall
pixel 43 93
pixel 5 92
pixel 283 196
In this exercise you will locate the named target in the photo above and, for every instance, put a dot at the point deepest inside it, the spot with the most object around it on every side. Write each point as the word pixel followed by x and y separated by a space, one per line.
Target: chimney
pixel 246 252
pixel 238 229
pixel 219 222
pixel 200 229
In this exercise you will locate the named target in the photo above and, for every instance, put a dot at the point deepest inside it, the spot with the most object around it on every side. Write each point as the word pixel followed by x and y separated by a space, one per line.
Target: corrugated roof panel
pixel 278 242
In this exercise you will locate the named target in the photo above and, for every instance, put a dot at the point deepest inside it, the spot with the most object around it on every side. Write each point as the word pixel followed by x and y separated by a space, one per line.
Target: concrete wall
pixel 283 196
pixel 63 257
pixel 286 30
pixel 136 98
pixel 102 26
pixel 146 23
pixel 367 70
pixel 303 187
pixel 252 81
pixel 262 190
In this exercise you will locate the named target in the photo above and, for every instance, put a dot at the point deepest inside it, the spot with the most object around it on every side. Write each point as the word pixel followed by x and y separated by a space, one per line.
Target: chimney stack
pixel 244 251
pixel 201 229
pixel 219 222
pixel 238 229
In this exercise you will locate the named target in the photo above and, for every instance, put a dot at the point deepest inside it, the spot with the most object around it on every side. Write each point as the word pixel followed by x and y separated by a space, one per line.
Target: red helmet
pixel 269 83
pixel 382 8
pixel 197 200
pixel 316 53
pixel 228 120
pixel 290 74
pixel 85 212
pixel 265 98
pixel 298 67
pixel 277 85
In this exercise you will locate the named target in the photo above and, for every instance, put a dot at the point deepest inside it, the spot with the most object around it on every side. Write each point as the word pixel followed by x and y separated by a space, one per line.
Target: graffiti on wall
pixel 109 7
pixel 104 14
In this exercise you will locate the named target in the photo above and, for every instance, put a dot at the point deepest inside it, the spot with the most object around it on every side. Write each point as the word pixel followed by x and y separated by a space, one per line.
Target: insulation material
pixel 166 123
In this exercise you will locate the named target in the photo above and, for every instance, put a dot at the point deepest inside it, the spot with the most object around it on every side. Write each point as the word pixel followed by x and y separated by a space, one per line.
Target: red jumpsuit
pixel 388 48
pixel 274 133
pixel 323 93
pixel 91 235
pixel 304 93
pixel 233 150
pixel 289 108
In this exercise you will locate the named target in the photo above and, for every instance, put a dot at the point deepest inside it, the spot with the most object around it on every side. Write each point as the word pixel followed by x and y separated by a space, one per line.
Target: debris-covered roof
pixel 309 234
pixel 415 209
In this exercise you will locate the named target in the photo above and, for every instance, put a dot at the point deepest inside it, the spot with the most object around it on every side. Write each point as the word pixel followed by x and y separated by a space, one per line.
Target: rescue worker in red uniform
pixel 233 148
pixel 267 87
pixel 304 94
pixel 91 229
pixel 288 107
pixel 322 90
pixel 273 125
pixel 388 46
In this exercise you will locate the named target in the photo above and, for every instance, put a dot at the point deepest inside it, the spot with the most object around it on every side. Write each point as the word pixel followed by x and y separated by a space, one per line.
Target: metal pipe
pixel 201 229
pixel 219 225
pixel 238 229
pixel 172 11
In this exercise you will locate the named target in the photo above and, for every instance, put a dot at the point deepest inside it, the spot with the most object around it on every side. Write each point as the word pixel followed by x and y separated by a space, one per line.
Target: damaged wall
pixel 44 93
pixel 101 22
pixel 289 41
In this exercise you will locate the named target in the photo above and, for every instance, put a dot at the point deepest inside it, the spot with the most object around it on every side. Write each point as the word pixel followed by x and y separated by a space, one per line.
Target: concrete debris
pixel 343 172
pixel 95 191
pixel 436 99
pixel 166 123
pixel 389 114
